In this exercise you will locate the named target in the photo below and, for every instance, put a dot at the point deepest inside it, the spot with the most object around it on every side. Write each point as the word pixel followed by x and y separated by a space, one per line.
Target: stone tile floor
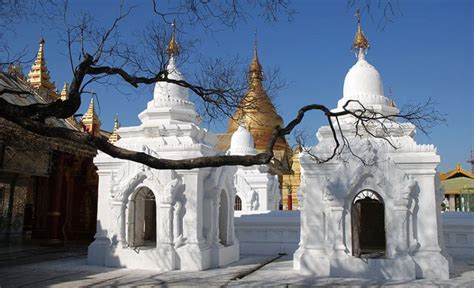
pixel 66 267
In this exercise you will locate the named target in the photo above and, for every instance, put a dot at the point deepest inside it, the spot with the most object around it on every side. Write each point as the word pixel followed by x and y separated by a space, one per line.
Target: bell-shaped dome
pixel 242 142
pixel 166 93
pixel 362 79
pixel 170 103
pixel 364 84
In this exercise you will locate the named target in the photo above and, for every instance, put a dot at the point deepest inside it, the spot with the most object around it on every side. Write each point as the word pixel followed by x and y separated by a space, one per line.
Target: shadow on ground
pixel 69 269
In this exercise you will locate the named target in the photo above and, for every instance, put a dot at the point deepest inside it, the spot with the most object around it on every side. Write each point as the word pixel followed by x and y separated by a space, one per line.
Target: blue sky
pixel 426 52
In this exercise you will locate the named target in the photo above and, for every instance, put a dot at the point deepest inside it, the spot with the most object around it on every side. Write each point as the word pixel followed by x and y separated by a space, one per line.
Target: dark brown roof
pixel 55 144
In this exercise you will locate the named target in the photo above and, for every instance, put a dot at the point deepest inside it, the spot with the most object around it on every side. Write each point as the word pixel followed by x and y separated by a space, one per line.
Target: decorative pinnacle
pixel 255 43
pixel 65 92
pixel 360 41
pixel 114 137
pixel 116 122
pixel 90 117
pixel 255 71
pixel 173 47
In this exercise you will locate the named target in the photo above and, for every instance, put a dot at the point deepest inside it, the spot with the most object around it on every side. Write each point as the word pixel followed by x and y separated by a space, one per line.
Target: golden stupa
pixel 257 112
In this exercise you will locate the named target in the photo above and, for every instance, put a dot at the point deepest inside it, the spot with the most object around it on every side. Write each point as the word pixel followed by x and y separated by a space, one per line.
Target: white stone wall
pixel 458 229
pixel 273 232
pixel 257 189
pixel 267 232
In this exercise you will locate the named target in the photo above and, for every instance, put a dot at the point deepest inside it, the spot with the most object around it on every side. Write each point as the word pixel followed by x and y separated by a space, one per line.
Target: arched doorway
pixel 142 219
pixel 238 203
pixel 368 225
pixel 223 218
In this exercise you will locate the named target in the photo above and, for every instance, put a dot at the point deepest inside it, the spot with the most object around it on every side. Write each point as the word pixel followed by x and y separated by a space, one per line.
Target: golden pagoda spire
pixel 173 47
pixel 39 77
pixel 255 71
pixel 65 92
pixel 114 137
pixel 256 110
pixel 90 121
pixel 360 41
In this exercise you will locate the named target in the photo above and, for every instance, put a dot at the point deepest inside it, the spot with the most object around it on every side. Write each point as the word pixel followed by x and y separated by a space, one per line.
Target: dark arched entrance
pixel 142 218
pixel 368 225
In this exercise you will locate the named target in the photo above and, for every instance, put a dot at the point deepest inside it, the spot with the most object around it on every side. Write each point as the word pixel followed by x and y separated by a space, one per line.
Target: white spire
pixel 170 103
pixel 363 82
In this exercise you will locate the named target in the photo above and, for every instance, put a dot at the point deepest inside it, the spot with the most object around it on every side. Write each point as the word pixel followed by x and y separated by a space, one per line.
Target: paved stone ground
pixel 66 267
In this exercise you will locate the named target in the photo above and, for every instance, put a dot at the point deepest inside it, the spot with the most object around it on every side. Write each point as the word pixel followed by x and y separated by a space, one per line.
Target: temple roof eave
pixel 458 171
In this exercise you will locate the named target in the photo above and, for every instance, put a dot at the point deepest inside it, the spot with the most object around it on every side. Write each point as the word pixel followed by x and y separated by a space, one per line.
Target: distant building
pixel 256 189
pixel 458 187
pixel 48 186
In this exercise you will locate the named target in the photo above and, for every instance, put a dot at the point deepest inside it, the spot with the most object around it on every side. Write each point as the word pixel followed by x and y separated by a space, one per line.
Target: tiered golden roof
pixel 39 77
pixel 360 41
pixel 456 172
pixel 90 121
pixel 114 137
pixel 457 181
pixel 257 111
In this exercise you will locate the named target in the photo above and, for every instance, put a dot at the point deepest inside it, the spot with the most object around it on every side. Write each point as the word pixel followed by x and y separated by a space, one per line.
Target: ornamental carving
pixel 119 191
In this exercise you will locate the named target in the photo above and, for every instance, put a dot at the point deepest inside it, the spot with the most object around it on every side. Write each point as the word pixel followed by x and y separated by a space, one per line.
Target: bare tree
pixel 100 58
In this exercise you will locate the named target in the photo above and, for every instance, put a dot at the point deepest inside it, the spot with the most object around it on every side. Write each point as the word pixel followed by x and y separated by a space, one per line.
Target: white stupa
pixel 241 142
pixel 379 221
pixel 257 190
pixel 165 219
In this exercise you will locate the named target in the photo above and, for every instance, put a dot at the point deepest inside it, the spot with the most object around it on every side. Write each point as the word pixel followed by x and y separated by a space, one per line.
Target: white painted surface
pixel 404 177
pixel 458 230
pixel 188 202
pixel 272 232
pixel 257 189
pixel 242 142
pixel 267 232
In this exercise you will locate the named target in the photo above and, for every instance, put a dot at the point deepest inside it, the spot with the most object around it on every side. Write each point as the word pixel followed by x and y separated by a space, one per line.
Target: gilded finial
pixel 255 71
pixel 116 121
pixel 173 47
pixel 65 92
pixel 114 137
pixel 360 41
pixel 41 40
pixel 255 43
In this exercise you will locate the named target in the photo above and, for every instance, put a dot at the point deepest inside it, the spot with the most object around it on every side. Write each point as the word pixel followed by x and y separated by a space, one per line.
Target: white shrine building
pixel 165 219
pixel 379 221
pixel 256 189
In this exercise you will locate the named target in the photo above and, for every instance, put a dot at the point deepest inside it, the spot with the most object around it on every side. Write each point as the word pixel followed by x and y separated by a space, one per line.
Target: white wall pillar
pixel 426 218
pixel 98 248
